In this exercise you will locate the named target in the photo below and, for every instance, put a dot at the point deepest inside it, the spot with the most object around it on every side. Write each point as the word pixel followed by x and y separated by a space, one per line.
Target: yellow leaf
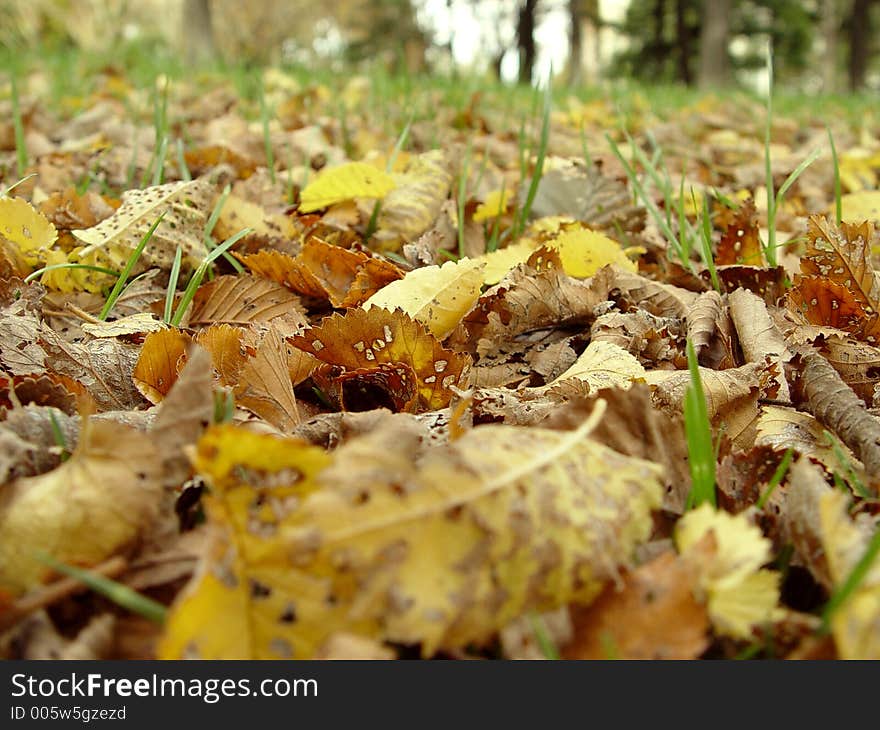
pixel 495 204
pixel 442 552
pixel 498 263
pixel 238 213
pixel 345 182
pixel 604 365
pixel 436 296
pixel 415 203
pixel 85 510
pixel 26 227
pixel 863 206
pixel 740 596
pixel 584 252
pixel 855 625
pixel 72 280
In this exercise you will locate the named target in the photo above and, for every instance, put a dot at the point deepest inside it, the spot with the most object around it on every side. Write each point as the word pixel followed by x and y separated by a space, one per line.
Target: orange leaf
pixel 227 351
pixel 741 242
pixel 366 339
pixel 162 357
pixel 243 299
pixel 825 303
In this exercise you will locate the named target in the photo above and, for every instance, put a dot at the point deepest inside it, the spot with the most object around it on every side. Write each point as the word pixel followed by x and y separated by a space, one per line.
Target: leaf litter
pixel 417 407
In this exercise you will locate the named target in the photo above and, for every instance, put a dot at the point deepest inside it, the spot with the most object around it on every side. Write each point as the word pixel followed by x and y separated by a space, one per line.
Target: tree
pixel 860 43
pixel 197 37
pixel 830 26
pixel 585 22
pixel 525 40
pixel 714 40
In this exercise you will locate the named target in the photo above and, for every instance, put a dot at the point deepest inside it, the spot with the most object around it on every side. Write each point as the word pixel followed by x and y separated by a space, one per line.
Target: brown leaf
pixel 103 366
pixel 821 301
pixel 654 616
pixel 758 335
pixel 824 394
pixel 741 242
pixel 183 415
pixel 244 299
pixel 702 320
pixel 662 300
pixel 162 358
pixel 365 339
pixel 842 254
pixel 264 385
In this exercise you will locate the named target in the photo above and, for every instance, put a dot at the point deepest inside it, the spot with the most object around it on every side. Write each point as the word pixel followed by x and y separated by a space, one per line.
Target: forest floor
pixel 298 365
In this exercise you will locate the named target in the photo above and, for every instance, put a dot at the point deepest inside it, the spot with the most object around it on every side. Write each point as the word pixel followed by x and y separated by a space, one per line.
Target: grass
pixel 21 155
pixel 126 270
pixel 120 594
pixel 776 479
pixel 849 586
pixel 58 435
pixel 838 203
pixel 523 213
pixel 199 274
pixel 698 430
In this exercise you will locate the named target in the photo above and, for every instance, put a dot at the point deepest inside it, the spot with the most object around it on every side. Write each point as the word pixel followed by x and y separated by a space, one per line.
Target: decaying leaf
pixel 25 227
pixel 839 409
pixel 91 506
pixel 741 242
pixel 364 339
pixel 653 615
pixel 186 206
pixel 265 387
pixel 441 556
pixel 603 365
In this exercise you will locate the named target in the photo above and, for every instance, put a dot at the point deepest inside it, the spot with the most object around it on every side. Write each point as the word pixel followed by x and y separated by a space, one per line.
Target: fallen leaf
pixel 345 182
pixel 93 505
pixel 436 296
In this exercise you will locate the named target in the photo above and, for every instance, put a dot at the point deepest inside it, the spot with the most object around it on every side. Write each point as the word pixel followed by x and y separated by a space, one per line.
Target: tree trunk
pixel 714 59
pixel 575 45
pixel 525 40
pixel 683 36
pixel 829 24
pixel 196 35
pixel 859 43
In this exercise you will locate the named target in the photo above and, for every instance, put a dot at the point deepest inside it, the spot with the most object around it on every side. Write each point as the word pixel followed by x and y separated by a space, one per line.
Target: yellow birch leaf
pixel 498 263
pixel 496 204
pixel 345 182
pixel 604 365
pixel 442 552
pixel 436 296
pixel 855 624
pixel 861 206
pixel 739 594
pixel 26 227
pixel 584 252
pixel 238 213
pixel 70 279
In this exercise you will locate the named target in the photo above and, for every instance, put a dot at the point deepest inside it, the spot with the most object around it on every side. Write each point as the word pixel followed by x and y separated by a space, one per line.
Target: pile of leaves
pixel 292 386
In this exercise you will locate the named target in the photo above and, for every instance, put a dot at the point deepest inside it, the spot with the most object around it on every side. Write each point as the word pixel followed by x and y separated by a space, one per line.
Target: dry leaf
pixel 87 509
pixel 264 385
pixel 441 556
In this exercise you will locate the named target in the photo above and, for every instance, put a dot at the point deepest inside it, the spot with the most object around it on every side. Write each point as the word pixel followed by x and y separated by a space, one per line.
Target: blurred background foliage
pixel 818 45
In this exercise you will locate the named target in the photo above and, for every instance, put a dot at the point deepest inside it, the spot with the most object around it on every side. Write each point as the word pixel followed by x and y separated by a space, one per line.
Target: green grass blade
pixel 58 435
pixel 706 242
pixel 199 274
pixel 120 594
pixel 853 580
pixel 524 212
pixel 185 174
pixel 542 636
pixel 173 276
pixel 87 267
pixel 798 171
pixel 838 204
pixel 129 265
pixel 698 429
pixel 776 479
pixel 461 200
pixel 21 155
